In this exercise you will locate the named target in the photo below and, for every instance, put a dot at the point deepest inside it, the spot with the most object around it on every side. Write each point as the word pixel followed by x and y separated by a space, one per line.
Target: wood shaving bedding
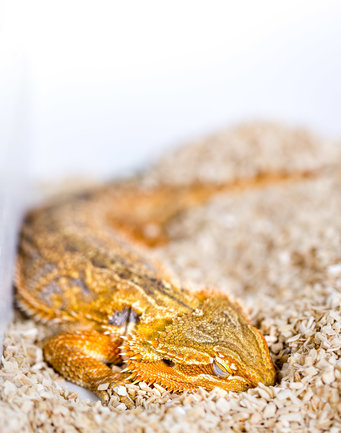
pixel 276 249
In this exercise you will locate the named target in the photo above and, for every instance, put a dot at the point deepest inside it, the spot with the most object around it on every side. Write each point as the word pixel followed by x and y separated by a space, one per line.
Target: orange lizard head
pixel 213 346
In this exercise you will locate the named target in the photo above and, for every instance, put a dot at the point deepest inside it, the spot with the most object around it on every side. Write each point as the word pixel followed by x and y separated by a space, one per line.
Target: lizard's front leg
pixel 81 357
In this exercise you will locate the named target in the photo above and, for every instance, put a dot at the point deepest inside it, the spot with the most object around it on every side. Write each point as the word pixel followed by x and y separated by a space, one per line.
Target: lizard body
pixel 79 269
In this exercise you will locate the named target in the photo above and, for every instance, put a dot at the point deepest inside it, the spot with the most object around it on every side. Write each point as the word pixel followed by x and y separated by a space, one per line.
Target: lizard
pixel 83 269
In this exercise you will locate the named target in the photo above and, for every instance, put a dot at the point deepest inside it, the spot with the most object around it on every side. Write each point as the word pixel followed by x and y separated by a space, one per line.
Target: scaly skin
pixel 81 268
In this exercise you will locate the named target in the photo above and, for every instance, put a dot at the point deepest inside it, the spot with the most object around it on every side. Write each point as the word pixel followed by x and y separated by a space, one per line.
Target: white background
pixel 106 85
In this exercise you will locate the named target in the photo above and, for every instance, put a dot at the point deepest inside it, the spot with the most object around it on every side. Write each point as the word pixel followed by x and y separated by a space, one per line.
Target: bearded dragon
pixel 82 268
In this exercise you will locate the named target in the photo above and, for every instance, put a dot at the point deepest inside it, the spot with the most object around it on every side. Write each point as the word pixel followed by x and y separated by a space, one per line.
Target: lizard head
pixel 212 346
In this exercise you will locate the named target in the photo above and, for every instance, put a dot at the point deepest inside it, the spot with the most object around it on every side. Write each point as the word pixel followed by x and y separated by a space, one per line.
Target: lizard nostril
pixel 168 362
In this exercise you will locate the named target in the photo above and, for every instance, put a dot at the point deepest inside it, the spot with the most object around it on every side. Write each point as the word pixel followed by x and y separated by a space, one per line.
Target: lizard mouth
pixel 182 377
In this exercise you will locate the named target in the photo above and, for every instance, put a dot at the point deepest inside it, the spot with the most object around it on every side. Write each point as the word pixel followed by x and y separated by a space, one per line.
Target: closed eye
pixel 219 372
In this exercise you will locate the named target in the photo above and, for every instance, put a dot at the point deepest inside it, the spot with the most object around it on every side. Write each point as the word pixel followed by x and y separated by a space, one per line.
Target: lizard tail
pixel 143 215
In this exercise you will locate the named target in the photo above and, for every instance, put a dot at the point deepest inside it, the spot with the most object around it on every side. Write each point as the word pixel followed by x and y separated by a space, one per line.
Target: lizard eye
pixel 218 371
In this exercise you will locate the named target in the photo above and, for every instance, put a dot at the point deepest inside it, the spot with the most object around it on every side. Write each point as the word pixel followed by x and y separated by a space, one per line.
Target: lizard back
pixel 74 266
